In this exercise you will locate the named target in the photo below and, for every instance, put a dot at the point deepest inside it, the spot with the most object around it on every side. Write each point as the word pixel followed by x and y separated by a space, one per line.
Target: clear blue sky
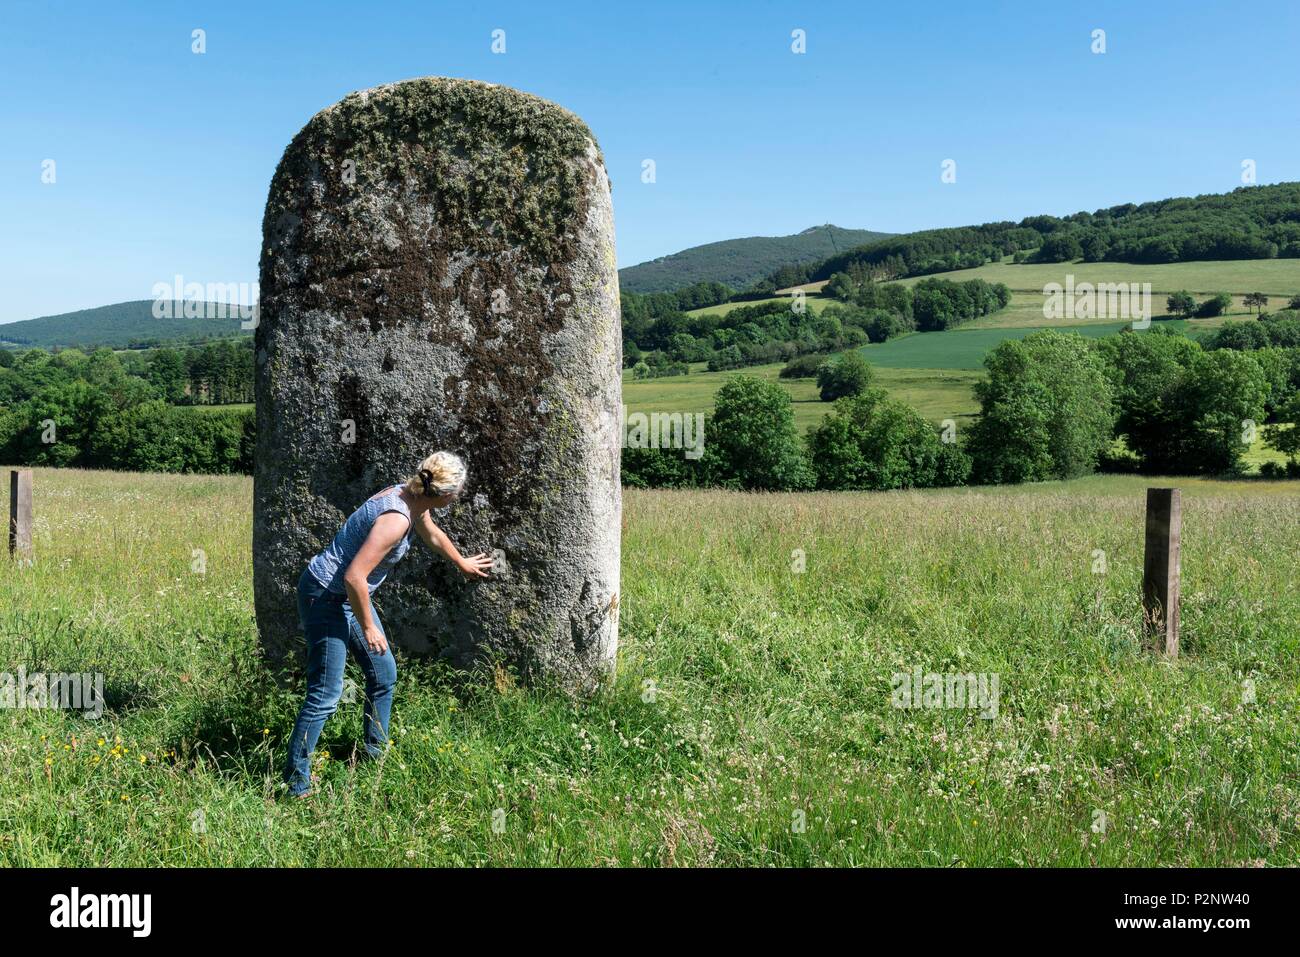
pixel 164 157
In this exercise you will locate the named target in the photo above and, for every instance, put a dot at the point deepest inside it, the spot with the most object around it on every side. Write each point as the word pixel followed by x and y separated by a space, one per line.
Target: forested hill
pixel 1251 222
pixel 122 325
pixel 739 263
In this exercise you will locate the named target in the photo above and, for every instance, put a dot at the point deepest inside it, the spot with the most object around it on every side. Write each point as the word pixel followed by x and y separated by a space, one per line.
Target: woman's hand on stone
pixel 476 565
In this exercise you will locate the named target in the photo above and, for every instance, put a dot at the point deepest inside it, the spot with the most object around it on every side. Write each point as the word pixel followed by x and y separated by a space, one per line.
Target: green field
pixel 962 348
pixel 937 393
pixel 750 698
pixel 233 407
pixel 1026 310
pixel 1274 277
pixel 1277 278
pixel 815 303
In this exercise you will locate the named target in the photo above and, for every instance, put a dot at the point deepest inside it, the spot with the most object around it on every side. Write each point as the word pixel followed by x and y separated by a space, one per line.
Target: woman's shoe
pixel 315 779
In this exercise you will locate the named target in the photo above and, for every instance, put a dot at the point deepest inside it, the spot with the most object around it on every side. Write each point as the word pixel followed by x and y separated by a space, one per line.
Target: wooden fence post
pixel 20 514
pixel 1160 570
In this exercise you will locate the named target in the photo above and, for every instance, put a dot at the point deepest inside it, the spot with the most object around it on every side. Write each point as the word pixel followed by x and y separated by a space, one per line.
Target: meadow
pixel 1277 278
pixel 230 407
pixel 751 720
pixel 937 393
pixel 1025 311
pixel 963 347
pixel 1274 277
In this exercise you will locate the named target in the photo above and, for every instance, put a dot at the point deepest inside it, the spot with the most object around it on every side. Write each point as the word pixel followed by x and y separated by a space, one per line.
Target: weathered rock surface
pixel 438 272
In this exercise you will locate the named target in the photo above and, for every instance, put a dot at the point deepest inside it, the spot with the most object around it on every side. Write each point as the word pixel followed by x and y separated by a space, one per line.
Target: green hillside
pixel 966 348
pixel 739 263
pixel 1249 223
pixel 935 372
pixel 123 325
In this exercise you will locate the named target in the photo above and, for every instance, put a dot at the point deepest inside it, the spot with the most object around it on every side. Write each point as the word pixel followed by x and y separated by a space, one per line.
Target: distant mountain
pixel 122 325
pixel 741 262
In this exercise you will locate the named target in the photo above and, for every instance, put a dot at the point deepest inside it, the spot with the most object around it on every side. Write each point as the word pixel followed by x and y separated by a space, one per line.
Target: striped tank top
pixel 331 565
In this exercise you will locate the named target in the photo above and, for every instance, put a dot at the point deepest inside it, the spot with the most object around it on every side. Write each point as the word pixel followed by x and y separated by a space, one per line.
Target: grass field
pixel 937 393
pixel 815 302
pixel 232 407
pixel 1277 278
pixel 963 347
pixel 1274 277
pixel 1026 311
pixel 750 697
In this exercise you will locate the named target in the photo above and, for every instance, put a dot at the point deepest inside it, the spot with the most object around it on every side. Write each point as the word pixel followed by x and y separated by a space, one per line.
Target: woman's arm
pixel 436 538
pixel 384 534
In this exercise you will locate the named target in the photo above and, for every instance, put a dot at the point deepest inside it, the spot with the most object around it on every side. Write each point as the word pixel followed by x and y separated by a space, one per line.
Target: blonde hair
pixel 442 473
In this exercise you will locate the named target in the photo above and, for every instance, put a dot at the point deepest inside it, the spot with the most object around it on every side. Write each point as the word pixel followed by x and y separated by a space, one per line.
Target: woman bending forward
pixel 337 616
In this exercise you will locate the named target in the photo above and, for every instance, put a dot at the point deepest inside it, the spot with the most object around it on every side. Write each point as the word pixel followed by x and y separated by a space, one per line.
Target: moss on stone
pixel 472 145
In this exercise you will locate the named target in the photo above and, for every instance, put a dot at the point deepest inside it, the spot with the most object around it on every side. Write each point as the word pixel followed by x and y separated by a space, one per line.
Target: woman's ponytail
pixel 442 473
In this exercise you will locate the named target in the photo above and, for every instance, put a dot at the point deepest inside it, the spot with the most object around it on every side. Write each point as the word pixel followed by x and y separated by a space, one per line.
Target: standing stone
pixel 438 272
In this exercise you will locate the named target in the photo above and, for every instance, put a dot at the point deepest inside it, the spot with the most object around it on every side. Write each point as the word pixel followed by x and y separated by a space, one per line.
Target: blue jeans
pixel 332 632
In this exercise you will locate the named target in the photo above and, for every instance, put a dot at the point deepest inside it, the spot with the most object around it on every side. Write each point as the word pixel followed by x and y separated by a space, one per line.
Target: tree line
pixel 931 305
pixel 214 373
pixel 1053 406
pixel 1251 222
pixel 78 410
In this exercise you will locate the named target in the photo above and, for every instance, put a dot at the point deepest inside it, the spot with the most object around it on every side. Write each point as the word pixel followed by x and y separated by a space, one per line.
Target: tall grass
pixel 751 721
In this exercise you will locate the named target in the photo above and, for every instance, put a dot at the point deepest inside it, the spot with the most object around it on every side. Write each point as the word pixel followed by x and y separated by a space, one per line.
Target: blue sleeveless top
pixel 331 565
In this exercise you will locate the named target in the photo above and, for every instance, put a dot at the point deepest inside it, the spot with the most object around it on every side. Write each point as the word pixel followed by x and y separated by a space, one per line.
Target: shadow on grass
pixel 125 695
pixel 238 726
pixel 242 727
pixel 83 691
